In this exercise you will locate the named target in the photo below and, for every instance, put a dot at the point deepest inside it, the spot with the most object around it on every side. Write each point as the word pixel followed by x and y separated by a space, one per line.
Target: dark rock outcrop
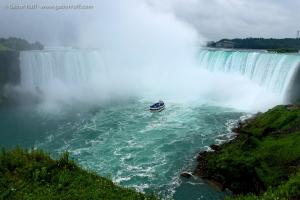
pixel 10 71
pixel 186 175
pixel 253 181
pixel 202 164
pixel 216 147
pixel 250 178
pixel 216 184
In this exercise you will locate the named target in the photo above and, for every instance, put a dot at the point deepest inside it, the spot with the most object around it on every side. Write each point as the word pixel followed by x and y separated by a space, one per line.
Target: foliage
pixel 210 44
pixel 34 175
pixel 36 46
pixel 262 43
pixel 267 148
pixel 19 44
pixel 277 118
pixel 285 50
pixel 288 190
pixel 3 48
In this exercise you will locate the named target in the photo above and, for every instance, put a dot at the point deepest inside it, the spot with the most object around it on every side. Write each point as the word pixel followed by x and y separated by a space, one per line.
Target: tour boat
pixel 157 107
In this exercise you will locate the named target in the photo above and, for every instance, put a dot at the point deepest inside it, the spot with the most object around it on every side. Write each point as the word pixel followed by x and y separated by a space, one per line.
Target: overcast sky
pixel 211 19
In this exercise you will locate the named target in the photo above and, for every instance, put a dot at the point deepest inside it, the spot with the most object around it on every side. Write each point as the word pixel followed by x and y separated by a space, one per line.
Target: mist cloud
pixel 147 46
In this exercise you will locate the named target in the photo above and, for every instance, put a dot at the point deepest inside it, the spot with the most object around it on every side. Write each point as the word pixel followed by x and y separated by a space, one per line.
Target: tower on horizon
pixel 297 36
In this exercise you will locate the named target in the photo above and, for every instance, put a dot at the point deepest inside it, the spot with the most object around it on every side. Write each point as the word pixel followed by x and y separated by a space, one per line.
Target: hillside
pixel 264 156
pixel 34 175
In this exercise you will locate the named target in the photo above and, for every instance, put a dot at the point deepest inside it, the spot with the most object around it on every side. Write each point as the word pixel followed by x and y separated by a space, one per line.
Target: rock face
pixel 10 71
pixel 10 67
pixel 187 175
pixel 255 184
pixel 202 164
pixel 202 167
pixel 216 147
pixel 202 170
pixel 216 184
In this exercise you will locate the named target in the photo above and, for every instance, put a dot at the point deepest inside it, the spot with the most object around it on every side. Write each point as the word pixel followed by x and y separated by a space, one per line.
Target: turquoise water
pixel 141 150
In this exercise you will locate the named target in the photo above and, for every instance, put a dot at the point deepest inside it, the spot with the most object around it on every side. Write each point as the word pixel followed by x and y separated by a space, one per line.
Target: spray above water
pixel 95 76
pixel 144 52
pixel 139 48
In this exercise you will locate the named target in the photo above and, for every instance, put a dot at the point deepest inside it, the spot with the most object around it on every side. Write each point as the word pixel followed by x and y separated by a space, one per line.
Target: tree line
pixel 261 43
pixel 18 44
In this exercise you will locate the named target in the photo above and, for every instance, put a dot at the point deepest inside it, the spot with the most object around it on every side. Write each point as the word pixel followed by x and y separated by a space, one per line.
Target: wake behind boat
pixel 157 107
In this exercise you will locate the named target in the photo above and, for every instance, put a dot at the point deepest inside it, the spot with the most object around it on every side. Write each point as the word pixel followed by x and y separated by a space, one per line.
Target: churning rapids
pixel 96 105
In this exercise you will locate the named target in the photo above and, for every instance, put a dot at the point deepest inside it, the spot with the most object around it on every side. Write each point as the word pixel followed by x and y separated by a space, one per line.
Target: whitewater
pixel 95 104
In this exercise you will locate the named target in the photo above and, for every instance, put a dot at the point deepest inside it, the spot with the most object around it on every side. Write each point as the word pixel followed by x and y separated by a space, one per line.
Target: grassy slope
pixel 285 50
pixel 3 48
pixel 267 148
pixel 35 175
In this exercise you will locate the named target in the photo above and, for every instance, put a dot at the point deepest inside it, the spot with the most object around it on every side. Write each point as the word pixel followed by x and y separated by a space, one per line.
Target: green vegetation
pixel 262 43
pixel 288 190
pixel 265 154
pixel 3 48
pixel 18 44
pixel 285 50
pixel 34 175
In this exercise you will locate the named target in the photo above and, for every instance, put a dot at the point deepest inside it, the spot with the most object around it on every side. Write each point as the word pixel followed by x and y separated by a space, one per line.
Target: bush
pixel 35 175
pixel 289 190
pixel 264 154
pixel 285 50
pixel 20 44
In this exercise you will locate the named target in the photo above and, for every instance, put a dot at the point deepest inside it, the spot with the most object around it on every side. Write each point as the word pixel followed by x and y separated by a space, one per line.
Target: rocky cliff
pixel 265 154
pixel 10 71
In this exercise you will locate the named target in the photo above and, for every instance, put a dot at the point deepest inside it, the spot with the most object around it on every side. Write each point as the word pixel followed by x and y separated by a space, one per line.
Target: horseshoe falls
pixel 276 72
pixel 96 105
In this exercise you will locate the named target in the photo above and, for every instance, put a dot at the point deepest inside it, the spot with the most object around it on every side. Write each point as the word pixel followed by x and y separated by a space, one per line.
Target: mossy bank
pixel 263 160
pixel 34 175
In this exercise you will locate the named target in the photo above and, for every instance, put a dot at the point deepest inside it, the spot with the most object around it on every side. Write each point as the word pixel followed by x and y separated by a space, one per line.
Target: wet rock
pixel 216 147
pixel 236 130
pixel 216 184
pixel 187 175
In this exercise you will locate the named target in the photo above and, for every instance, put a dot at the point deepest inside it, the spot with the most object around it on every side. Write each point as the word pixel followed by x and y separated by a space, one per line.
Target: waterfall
pixel 276 72
pixel 85 75
pixel 98 73
pixel 70 67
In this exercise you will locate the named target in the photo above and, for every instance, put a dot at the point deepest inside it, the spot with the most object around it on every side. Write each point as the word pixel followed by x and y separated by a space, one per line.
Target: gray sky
pixel 217 19
pixel 144 20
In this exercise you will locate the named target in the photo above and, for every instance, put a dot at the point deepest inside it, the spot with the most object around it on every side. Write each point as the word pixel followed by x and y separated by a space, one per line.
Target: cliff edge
pixel 265 154
pixel 10 71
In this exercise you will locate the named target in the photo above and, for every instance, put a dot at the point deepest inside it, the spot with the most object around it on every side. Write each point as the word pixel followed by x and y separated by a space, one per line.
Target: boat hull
pixel 157 110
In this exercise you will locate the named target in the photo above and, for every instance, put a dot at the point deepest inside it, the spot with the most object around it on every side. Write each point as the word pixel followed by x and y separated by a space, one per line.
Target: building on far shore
pixel 225 44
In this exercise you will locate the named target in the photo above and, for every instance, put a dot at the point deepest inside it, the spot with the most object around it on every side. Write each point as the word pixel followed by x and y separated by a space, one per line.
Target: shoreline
pixel 216 148
pixel 247 164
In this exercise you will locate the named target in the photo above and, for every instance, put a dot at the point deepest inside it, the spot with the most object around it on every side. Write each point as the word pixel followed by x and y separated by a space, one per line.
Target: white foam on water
pixel 121 179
